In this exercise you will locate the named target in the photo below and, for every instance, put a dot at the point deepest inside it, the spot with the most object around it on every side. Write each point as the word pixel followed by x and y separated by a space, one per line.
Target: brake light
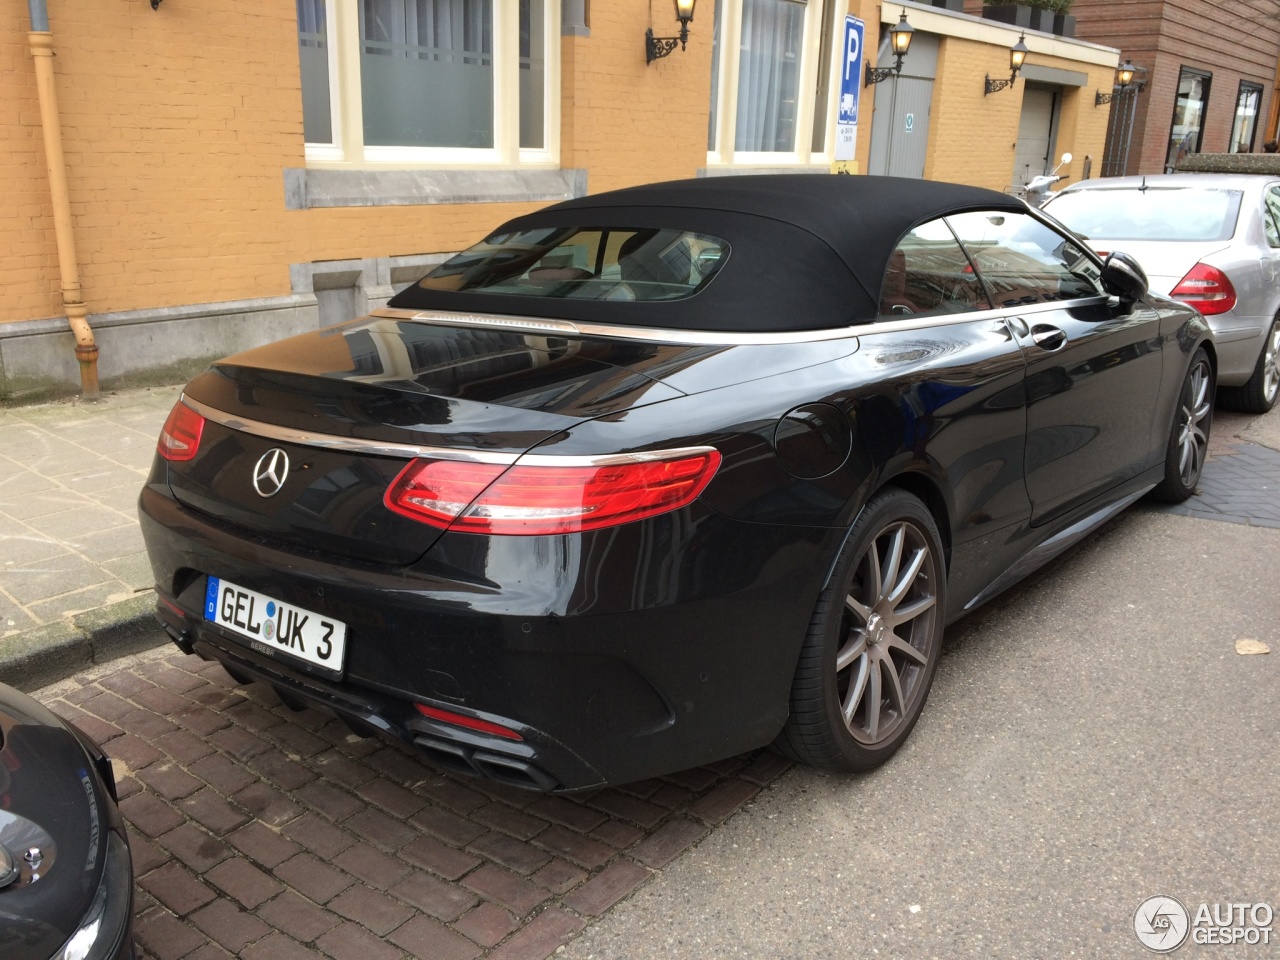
pixel 540 498
pixel 470 723
pixel 180 436
pixel 1207 289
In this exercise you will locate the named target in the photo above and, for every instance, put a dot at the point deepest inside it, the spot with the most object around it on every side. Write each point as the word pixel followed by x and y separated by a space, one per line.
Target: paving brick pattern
pixel 1240 484
pixel 267 834
pixel 69 480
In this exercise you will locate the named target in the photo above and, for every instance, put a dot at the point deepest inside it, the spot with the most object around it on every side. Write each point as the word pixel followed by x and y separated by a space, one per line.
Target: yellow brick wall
pixel 627 122
pixel 972 136
pixel 28 256
pixel 178 124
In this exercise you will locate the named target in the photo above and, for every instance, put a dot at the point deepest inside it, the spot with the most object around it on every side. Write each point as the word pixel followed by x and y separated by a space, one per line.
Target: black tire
pixel 1189 437
pixel 855 622
pixel 1260 393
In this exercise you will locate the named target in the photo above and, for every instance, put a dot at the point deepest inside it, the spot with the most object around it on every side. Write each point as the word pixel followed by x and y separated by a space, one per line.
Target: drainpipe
pixel 41 42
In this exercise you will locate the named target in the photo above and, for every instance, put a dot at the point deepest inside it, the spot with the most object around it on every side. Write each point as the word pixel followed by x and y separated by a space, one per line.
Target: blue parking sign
pixel 850 89
pixel 851 74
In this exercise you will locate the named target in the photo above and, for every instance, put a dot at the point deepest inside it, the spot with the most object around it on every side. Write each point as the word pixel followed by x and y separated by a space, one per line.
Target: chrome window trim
pixel 378 448
pixel 566 328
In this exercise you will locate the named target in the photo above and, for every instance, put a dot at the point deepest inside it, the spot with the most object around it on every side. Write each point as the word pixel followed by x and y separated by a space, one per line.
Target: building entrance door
pixel 900 127
pixel 1037 132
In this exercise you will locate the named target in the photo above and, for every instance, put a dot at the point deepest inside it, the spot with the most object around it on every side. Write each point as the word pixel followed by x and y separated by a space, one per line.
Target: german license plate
pixel 273 627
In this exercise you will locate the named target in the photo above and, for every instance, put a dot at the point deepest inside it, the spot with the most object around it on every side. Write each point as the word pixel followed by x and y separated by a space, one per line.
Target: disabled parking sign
pixel 850 89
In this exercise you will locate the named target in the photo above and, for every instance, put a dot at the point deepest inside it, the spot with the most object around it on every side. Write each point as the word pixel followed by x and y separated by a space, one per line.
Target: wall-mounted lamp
pixel 1017 57
pixel 657 47
pixel 155 4
pixel 1124 77
pixel 900 42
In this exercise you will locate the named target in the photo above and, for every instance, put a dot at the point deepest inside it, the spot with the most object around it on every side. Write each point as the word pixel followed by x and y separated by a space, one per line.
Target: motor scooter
pixel 1036 192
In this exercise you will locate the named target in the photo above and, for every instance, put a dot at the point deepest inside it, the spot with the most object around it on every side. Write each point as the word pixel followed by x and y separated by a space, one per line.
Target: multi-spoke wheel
pixel 1189 438
pixel 873 644
pixel 1259 394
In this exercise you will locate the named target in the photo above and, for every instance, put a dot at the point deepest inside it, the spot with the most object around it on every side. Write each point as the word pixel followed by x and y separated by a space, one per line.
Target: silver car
pixel 1210 240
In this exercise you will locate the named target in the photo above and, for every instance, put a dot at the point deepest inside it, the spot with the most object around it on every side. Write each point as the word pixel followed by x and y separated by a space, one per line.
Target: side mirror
pixel 1123 277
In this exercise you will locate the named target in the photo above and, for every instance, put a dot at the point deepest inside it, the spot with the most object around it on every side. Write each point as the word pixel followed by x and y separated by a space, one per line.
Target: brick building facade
pixel 206 220
pixel 1222 53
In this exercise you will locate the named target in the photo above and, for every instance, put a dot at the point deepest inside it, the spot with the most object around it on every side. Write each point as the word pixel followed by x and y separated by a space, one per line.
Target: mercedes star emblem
pixel 270 472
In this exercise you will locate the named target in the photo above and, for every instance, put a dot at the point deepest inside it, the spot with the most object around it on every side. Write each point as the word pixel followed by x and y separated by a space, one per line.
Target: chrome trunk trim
pixel 379 448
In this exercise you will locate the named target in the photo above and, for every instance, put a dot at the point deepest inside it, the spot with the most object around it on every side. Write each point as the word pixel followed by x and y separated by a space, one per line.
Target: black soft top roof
pixel 807 252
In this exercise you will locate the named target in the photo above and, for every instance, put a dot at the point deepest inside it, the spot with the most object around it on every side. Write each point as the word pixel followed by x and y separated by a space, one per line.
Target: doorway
pixel 1037 132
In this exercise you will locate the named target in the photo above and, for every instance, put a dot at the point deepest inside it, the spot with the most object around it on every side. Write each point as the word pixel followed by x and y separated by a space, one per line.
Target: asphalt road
pixel 1090 741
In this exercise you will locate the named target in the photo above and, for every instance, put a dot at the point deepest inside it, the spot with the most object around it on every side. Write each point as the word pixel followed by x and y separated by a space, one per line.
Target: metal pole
pixel 1131 102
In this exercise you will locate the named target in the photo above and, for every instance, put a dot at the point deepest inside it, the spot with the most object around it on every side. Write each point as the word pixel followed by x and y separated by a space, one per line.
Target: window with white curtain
pixel 769 82
pixel 313 60
pixel 769 75
pixel 429 81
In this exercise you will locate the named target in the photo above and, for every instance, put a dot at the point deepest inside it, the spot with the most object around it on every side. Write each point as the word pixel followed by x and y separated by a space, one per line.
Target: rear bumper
pixel 615 656
pixel 1238 342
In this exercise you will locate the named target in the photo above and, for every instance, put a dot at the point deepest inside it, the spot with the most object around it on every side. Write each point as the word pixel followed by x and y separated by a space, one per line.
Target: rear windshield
pixel 1156 213
pixel 585 263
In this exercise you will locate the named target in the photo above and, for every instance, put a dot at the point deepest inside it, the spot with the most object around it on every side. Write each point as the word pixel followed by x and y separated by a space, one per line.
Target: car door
pixel 1093 365
pixel 950 391
pixel 1271 228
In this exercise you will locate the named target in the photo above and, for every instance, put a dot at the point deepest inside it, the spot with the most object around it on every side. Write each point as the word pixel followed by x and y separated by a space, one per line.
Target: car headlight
pixel 108 917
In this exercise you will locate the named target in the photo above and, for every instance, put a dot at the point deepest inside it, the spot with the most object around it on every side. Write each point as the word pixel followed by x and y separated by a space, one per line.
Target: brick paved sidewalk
pixel 266 834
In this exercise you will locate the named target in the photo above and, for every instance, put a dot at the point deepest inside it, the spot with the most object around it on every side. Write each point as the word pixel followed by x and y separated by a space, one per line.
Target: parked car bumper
pixel 602 681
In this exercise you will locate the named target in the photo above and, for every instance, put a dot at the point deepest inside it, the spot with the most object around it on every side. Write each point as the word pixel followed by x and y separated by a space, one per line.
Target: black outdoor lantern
pixel 1017 57
pixel 900 42
pixel 657 47
pixel 1124 77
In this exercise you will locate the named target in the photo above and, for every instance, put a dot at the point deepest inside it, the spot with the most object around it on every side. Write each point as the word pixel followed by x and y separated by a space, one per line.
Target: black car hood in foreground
pixel 49 800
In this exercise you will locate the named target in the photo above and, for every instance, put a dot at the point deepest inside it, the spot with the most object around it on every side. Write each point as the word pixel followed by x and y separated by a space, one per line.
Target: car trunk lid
pixel 1165 261
pixel 350 406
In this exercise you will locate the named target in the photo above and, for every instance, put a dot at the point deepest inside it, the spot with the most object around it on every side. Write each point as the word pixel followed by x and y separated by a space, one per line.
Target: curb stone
pixel 55 651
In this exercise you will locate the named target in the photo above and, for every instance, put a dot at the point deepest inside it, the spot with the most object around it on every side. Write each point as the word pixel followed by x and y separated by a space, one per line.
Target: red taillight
pixel 180 438
pixel 541 498
pixel 471 723
pixel 1207 289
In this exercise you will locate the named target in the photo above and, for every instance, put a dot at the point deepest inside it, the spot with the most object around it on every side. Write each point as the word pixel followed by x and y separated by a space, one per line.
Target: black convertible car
pixel 658 476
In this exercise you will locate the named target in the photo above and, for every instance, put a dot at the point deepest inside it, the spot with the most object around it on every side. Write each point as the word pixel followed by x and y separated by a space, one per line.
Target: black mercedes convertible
pixel 658 476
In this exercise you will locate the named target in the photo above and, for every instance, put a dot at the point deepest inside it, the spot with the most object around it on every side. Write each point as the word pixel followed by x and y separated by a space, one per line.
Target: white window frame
pixel 730 39
pixel 348 149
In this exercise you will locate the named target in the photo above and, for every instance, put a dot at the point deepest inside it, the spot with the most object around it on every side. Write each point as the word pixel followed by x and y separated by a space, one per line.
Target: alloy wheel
pixel 889 633
pixel 1270 359
pixel 1193 437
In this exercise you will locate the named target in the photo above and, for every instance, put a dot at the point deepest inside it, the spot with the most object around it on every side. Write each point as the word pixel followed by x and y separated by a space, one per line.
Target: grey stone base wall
pixel 169 344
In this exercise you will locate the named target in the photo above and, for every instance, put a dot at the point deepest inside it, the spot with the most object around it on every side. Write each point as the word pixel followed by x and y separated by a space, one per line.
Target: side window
pixel 1024 261
pixel 1271 216
pixel 928 275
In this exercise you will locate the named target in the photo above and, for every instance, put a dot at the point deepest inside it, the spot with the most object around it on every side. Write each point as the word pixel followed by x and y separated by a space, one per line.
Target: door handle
pixel 1048 337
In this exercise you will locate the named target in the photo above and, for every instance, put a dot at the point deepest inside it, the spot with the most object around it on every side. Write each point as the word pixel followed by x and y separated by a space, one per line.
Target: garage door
pixel 1037 132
